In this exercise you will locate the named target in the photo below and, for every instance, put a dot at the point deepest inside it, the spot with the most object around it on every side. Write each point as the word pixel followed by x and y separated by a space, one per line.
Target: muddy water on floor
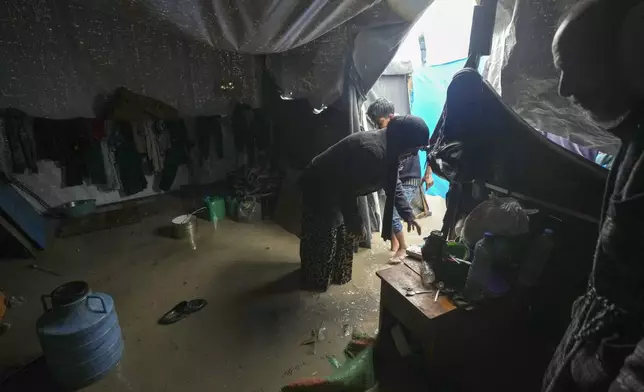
pixel 249 336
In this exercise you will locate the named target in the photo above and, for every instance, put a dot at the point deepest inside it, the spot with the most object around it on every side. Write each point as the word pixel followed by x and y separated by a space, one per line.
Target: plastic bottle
pixel 536 259
pixel 427 275
pixel 479 273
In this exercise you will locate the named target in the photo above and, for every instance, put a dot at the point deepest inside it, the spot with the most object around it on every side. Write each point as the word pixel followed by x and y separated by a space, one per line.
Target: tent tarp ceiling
pixel 61 55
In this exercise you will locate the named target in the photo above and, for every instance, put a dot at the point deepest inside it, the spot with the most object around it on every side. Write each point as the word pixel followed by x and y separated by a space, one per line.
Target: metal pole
pixel 482 31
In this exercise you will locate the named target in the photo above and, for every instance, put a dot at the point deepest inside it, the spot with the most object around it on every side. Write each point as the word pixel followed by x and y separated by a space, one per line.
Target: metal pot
pixel 184 227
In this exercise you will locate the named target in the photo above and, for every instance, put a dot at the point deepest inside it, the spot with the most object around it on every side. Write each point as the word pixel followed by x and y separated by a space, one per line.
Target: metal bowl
pixel 78 208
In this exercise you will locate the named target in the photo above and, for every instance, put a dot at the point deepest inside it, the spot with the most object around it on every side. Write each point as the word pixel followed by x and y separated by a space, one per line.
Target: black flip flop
pixel 182 310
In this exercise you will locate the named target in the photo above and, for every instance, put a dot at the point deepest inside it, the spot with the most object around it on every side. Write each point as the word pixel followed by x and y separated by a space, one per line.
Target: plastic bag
pixel 497 215
pixel 249 210
pixel 355 375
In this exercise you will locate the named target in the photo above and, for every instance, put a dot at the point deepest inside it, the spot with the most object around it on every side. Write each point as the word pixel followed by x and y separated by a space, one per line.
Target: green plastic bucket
pixel 216 208
pixel 458 250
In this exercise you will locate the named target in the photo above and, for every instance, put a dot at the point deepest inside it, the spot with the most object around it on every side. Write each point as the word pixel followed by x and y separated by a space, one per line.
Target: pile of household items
pixel 493 253
pixel 254 193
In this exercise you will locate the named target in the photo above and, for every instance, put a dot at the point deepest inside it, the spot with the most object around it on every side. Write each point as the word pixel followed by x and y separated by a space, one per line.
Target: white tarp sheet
pixel 521 69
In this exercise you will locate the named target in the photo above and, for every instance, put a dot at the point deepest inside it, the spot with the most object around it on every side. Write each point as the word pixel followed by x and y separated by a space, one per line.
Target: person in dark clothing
pixel 380 112
pixel 359 164
pixel 598 49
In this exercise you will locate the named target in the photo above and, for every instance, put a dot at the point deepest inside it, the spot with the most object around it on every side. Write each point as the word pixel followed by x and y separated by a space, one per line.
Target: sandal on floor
pixel 182 310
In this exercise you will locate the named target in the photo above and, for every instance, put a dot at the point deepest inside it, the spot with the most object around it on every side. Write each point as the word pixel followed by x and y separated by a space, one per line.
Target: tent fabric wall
pixel 61 58
pixel 395 89
pixel 428 98
pixel 244 26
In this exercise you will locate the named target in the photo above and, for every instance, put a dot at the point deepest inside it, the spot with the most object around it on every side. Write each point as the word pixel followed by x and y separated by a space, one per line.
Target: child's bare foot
pixel 401 253
pixel 398 256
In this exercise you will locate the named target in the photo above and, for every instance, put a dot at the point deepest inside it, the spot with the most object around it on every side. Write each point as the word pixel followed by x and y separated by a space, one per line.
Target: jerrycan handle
pixel 98 298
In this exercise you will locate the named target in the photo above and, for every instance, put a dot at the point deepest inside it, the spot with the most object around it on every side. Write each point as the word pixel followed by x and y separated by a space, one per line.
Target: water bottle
pixel 427 275
pixel 479 273
pixel 536 259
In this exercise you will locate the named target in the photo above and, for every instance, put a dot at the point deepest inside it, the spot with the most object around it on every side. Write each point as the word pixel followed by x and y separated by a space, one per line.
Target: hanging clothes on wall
pixel 108 149
pixel 94 154
pixel 76 135
pixel 6 164
pixel 28 144
pixel 19 133
pixel 153 145
pixel 242 123
pixel 261 130
pixel 128 159
pixel 177 154
pixel 139 134
pixel 119 150
pixel 209 132
pixel 66 142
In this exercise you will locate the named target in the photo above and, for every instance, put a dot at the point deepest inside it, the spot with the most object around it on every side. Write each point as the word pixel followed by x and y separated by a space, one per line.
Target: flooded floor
pixel 248 338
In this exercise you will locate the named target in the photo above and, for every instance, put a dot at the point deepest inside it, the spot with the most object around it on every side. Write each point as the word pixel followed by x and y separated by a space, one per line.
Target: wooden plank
pixel 413 264
pixel 126 215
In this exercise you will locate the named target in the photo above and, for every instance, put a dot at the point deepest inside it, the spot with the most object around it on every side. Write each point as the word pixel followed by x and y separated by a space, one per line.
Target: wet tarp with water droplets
pixel 521 69
pixel 60 57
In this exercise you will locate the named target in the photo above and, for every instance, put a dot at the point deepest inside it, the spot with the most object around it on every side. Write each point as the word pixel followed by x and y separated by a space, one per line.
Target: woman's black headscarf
pixel 404 134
